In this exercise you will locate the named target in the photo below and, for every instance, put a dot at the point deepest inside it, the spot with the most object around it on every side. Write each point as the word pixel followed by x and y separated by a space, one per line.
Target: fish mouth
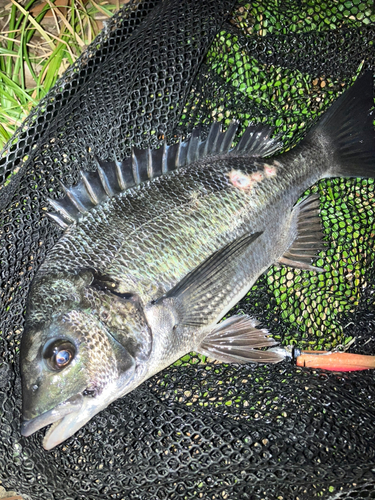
pixel 66 419
pixel 53 416
pixel 68 425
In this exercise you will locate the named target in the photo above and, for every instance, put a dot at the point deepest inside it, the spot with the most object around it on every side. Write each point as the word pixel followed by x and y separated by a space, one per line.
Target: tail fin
pixel 347 130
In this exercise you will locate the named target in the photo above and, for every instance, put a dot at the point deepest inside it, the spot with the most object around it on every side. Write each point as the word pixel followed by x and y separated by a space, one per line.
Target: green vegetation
pixel 38 42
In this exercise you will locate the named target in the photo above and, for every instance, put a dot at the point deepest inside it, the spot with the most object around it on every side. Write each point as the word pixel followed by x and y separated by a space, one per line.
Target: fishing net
pixel 202 429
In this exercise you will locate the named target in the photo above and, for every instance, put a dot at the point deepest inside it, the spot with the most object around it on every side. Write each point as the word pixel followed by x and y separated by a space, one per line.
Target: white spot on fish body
pixel 246 182
pixel 194 199
pixel 240 180
pixel 270 170
pixel 257 176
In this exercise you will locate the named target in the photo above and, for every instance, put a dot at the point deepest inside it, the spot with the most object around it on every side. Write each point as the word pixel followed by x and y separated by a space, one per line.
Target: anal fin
pixel 309 239
pixel 237 340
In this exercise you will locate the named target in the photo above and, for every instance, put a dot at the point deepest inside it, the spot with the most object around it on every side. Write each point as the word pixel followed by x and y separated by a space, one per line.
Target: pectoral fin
pixel 200 292
pixel 309 238
pixel 236 340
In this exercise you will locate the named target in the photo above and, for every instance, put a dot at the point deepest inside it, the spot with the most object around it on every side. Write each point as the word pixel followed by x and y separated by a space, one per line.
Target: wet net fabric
pixel 202 429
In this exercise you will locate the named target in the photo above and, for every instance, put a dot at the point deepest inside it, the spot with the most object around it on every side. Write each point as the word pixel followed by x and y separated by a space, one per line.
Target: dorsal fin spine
pixel 104 181
pixel 164 168
pixel 120 177
pixel 178 162
pixel 63 187
pixel 103 178
pixel 57 218
pixel 248 134
pixel 59 208
pixel 150 166
pixel 229 136
pixel 192 148
pixel 76 201
pixel 114 177
pixel 89 189
pixel 212 138
pixel 135 168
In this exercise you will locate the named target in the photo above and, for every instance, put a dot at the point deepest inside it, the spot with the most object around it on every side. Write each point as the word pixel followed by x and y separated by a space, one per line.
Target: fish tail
pixel 347 132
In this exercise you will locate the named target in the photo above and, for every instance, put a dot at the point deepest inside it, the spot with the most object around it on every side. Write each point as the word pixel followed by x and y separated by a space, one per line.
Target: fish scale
pixel 143 275
pixel 185 227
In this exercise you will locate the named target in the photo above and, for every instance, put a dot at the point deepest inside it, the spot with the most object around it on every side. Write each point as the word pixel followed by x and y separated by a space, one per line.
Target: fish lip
pixel 68 425
pixel 78 410
pixel 57 413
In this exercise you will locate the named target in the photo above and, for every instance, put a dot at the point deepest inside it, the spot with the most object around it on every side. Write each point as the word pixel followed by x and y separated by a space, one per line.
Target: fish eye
pixel 59 354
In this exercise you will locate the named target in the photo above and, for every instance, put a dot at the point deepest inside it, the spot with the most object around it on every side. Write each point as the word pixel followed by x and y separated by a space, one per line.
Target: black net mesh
pixel 199 429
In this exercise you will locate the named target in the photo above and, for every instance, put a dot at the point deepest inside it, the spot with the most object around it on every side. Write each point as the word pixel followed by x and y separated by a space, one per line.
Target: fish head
pixel 83 347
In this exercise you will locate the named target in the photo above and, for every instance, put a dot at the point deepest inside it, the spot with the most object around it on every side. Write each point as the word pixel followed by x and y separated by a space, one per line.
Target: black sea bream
pixel 158 248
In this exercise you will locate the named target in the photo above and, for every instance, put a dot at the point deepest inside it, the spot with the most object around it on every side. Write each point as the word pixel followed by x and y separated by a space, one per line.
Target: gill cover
pixel 76 359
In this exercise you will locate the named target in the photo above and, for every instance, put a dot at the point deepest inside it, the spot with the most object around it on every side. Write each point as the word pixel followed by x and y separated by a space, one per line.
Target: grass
pixel 38 41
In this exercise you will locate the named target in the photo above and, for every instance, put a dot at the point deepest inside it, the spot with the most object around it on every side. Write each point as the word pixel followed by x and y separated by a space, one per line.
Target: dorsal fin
pixel 112 178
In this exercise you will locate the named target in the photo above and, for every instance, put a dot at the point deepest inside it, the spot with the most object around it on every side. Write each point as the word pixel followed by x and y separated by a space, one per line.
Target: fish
pixel 158 248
